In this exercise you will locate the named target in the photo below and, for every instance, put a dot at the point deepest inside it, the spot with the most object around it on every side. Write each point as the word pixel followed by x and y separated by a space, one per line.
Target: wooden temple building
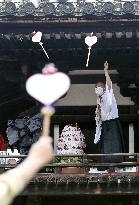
pixel 65 24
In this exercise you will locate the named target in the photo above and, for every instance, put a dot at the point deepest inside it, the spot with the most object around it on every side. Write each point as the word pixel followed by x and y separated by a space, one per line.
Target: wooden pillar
pixel 137 140
pixel 137 134
pixel 131 138
pixel 56 136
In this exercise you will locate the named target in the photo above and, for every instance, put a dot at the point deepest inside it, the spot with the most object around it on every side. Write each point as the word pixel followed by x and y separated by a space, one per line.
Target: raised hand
pixel 42 151
pixel 106 66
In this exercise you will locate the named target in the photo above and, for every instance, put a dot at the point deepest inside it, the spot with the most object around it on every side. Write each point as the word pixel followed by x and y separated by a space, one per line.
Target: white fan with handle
pixel 47 88
pixel 36 38
pixel 90 41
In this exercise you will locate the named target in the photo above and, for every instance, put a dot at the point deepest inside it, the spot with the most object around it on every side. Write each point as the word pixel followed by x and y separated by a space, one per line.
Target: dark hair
pixel 101 83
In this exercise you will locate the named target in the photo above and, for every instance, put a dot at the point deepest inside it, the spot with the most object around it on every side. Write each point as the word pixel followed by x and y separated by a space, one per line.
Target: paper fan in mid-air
pixel 90 41
pixel 36 38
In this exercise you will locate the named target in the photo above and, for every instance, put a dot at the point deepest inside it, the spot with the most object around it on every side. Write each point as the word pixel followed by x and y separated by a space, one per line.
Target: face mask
pixel 99 90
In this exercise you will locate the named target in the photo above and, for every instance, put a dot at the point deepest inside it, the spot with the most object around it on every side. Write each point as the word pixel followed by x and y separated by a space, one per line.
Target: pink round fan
pixel 47 88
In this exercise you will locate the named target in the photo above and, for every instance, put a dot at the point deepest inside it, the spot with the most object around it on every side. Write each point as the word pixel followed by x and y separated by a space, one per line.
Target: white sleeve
pixel 109 94
pixel 98 131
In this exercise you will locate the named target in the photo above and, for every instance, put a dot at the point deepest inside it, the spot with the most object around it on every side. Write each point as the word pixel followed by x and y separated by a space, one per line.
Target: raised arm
pixel 108 79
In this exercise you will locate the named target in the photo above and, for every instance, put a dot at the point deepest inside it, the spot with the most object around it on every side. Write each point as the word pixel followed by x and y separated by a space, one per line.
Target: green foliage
pixel 69 160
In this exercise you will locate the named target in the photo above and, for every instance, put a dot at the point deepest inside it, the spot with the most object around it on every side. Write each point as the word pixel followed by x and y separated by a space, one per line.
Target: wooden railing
pixel 85 161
